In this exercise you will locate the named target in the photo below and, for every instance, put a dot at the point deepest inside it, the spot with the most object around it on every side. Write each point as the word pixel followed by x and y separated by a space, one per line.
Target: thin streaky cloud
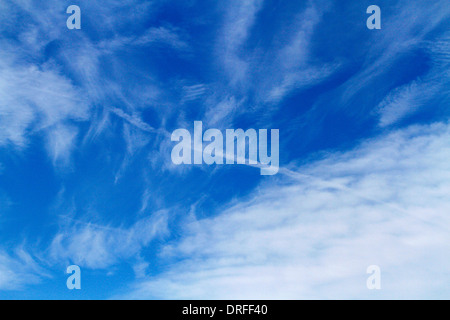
pixel 333 235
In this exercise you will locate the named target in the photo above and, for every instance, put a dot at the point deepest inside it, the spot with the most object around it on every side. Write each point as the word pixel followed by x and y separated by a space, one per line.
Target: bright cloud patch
pixel 362 149
pixel 314 235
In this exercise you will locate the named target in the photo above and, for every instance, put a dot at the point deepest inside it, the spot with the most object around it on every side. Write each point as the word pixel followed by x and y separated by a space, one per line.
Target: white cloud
pixel 402 32
pixel 19 270
pixel 162 35
pixel 239 18
pixel 155 36
pixel 60 143
pixel 135 120
pixel 36 99
pixel 221 114
pixel 409 98
pixel 314 233
pixel 298 78
pixel 100 246
pixel 286 64
pixel 135 140
pixel 194 92
pixel 293 68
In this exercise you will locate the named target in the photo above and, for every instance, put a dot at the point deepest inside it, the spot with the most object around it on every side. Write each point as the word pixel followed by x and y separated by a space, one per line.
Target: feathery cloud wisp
pixel 385 203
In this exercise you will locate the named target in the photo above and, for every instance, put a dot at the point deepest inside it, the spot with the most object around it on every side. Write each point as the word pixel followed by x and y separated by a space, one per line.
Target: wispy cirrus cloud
pixel 407 99
pixel 134 120
pixel 293 67
pixel 193 92
pixel 97 246
pixel 19 270
pixel 403 32
pixel 279 68
pixel 238 20
pixel 35 99
pixel 314 233
pixel 155 36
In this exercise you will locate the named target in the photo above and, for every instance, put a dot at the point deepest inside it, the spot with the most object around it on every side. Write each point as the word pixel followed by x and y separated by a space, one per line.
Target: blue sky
pixel 86 176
